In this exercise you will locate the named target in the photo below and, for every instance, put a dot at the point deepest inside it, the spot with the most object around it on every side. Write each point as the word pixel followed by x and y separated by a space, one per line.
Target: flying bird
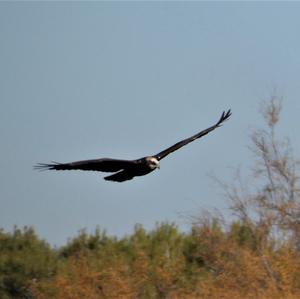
pixel 128 169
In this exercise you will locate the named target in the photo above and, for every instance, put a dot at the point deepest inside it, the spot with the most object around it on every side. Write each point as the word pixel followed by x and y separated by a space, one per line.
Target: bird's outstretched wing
pixel 105 165
pixel 178 145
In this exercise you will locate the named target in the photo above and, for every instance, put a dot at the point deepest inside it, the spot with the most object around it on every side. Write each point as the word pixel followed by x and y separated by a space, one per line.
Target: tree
pixel 265 237
pixel 24 258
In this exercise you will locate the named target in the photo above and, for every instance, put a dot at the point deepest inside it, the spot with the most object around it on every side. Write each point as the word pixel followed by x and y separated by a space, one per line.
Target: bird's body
pixel 124 170
pixel 138 167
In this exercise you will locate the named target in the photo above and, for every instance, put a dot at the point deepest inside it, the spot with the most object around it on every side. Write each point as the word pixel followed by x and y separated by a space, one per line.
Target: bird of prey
pixel 124 170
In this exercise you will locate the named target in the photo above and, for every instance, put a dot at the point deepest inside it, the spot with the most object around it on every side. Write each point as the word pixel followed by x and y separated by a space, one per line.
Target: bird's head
pixel 153 163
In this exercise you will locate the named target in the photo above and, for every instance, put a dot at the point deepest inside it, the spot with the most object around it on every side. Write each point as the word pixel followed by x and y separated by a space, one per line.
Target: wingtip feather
pixel 225 115
pixel 45 166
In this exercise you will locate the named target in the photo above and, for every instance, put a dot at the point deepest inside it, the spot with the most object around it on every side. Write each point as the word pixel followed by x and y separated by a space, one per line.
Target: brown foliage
pixel 78 279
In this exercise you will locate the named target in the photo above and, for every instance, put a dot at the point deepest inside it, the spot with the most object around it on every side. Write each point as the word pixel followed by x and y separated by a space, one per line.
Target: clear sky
pixel 87 80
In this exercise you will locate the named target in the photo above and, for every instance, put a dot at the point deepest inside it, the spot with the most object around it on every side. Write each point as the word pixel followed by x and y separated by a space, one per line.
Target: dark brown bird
pixel 127 169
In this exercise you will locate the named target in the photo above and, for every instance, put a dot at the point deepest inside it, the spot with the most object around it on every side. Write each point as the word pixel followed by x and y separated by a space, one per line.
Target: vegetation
pixel 254 255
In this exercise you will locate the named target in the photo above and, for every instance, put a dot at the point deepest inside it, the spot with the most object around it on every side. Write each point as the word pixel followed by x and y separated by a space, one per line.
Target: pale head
pixel 153 163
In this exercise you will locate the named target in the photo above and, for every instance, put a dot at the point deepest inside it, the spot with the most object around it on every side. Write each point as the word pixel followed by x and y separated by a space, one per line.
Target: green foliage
pixel 242 233
pixel 24 258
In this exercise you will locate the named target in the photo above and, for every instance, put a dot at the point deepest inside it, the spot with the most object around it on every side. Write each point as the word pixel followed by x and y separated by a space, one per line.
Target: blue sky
pixel 85 80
